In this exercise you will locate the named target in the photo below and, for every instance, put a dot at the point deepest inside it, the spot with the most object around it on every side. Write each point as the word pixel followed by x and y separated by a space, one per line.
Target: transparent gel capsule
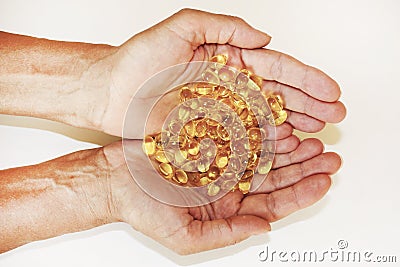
pixel 203 166
pixel 180 156
pixel 241 80
pixel 213 189
pixel 175 127
pixel 184 113
pixel 210 77
pixel 226 74
pixel 161 139
pixel 264 166
pixel 228 185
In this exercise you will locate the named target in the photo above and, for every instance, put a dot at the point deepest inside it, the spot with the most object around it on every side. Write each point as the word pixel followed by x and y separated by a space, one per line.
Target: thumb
pixel 219 233
pixel 200 27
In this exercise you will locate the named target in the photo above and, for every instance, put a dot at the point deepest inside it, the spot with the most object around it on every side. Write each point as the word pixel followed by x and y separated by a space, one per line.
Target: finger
pixel 282 131
pixel 273 65
pixel 221 233
pixel 304 123
pixel 283 177
pixel 296 100
pixel 307 149
pixel 287 145
pixel 279 204
pixel 199 27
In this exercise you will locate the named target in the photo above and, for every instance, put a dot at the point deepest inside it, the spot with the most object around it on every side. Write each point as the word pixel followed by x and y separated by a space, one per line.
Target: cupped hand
pixel 310 96
pixel 300 177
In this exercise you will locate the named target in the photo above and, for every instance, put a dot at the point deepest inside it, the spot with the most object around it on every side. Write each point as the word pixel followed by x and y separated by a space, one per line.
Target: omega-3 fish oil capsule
pixel 220 83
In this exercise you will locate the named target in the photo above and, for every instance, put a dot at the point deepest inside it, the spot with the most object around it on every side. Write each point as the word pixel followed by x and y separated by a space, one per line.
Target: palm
pixel 159 48
pixel 298 179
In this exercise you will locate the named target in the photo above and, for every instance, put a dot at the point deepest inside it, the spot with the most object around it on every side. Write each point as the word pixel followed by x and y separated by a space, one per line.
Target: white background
pixel 356 42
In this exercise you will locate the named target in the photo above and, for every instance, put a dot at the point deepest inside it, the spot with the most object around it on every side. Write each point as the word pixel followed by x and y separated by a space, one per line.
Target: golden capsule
pixel 221 160
pixel 210 77
pixel 211 122
pixel 239 102
pixel 252 160
pixel 222 133
pixel 190 128
pixel 181 176
pixel 243 113
pixel 213 172
pixel 264 166
pixel 212 132
pixel 254 134
pixel 204 180
pixel 204 89
pixel 201 128
pixel 166 170
pixel 222 91
pixel 247 174
pixel 275 103
pixel 185 94
pixel 258 81
pixel 244 186
pixel 228 101
pixel 220 59
pixel 184 113
pixel 277 118
pixel 149 145
pixel 213 189
pixel 193 147
pixel 161 156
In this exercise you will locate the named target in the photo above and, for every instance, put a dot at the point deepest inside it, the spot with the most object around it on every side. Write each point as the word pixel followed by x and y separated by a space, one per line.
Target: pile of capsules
pixel 197 162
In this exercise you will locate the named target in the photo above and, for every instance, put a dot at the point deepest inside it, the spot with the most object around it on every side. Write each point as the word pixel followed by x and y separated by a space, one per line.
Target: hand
pixel 299 178
pixel 190 35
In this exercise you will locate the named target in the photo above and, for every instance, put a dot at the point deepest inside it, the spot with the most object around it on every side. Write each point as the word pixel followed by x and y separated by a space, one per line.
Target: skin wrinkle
pixel 276 70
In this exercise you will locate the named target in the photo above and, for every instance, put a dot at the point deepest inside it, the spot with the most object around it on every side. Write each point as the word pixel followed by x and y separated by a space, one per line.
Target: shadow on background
pixel 330 135
pixel 78 134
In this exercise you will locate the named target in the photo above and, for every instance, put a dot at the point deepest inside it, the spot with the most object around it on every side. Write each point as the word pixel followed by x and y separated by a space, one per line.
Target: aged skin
pixel 90 85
